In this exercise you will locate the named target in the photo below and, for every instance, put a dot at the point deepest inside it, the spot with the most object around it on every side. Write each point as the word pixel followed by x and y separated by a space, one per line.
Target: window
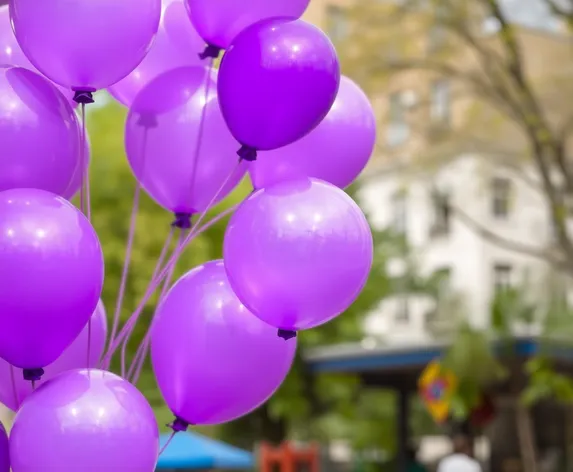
pixel 403 310
pixel 337 25
pixel 440 101
pixel 500 197
pixel 442 214
pixel 398 129
pixel 502 274
pixel 399 212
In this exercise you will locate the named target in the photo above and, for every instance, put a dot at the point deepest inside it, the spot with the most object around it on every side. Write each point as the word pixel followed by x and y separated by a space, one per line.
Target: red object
pixel 484 413
pixel 287 458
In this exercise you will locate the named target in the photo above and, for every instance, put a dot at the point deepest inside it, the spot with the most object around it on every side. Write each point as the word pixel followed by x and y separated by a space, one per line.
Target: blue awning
pixel 193 451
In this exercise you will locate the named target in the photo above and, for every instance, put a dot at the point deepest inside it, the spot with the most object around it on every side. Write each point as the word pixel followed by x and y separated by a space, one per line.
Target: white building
pixel 441 240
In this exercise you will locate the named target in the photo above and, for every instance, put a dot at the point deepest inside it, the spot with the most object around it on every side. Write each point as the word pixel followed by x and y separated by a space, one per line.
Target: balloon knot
pixel 83 97
pixel 210 51
pixel 147 120
pixel 182 221
pixel 32 375
pixel 178 425
pixel 286 334
pixel 247 153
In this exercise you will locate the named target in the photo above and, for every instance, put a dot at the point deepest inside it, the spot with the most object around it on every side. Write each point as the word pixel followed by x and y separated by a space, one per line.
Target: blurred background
pixel 466 323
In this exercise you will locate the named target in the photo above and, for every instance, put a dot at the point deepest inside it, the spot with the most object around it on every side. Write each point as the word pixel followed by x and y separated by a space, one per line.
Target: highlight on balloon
pixel 174 216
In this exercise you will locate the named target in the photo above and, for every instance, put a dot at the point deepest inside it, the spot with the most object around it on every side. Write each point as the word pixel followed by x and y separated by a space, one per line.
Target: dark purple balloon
pixel 277 82
pixel 51 276
pixel 4 450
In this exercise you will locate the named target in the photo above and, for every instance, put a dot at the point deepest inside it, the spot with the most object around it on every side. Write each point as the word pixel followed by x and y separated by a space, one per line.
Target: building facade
pixel 466 205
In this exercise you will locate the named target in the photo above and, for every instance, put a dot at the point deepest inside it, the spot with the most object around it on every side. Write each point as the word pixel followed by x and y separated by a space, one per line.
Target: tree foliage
pixel 507 87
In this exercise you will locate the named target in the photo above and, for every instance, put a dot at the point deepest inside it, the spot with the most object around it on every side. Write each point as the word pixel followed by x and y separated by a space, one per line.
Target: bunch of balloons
pixel 296 253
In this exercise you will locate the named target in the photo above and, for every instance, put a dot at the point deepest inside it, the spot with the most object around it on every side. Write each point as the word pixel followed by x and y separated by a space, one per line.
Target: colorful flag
pixel 437 386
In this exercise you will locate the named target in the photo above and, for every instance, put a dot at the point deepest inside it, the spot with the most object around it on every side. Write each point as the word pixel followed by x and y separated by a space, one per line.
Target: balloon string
pixel 85 204
pixel 207 86
pixel 158 266
pixel 14 388
pixel 160 277
pixel 127 261
pixel 89 343
pixel 113 342
pixel 139 360
pixel 169 439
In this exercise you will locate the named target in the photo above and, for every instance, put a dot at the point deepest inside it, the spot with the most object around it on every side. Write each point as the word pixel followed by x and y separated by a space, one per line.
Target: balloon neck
pixel 247 153
pixel 178 425
pixel 182 221
pixel 83 97
pixel 147 120
pixel 210 51
pixel 33 375
pixel 286 334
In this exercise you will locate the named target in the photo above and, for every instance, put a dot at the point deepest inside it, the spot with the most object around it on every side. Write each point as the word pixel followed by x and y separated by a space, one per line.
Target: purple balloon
pixel 85 45
pixel 40 134
pixel 277 82
pixel 11 54
pixel 51 276
pixel 298 253
pixel 14 392
pixel 177 44
pixel 219 22
pixel 85 420
pixel 214 361
pixel 4 450
pixel 336 151
pixel 180 163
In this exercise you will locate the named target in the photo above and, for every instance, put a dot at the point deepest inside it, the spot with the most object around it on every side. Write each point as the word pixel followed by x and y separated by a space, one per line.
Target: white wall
pixel 469 256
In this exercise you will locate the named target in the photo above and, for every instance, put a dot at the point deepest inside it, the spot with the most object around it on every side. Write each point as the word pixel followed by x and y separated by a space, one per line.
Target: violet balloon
pixel 174 45
pixel 219 22
pixel 51 276
pixel 14 389
pixel 85 45
pixel 336 151
pixel 11 54
pixel 298 253
pixel 277 82
pixel 214 361
pixel 177 143
pixel 40 133
pixel 4 450
pixel 85 420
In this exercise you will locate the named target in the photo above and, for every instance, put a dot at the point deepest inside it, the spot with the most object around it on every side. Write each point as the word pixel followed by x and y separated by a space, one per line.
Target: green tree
pixel 505 103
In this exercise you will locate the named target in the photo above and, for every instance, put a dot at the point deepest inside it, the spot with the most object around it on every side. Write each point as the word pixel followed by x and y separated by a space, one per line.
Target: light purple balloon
pixel 11 54
pixel 177 44
pixel 40 134
pixel 85 45
pixel 14 392
pixel 180 163
pixel 277 82
pixel 51 276
pixel 336 151
pixel 85 420
pixel 219 22
pixel 214 361
pixel 4 450
pixel 298 253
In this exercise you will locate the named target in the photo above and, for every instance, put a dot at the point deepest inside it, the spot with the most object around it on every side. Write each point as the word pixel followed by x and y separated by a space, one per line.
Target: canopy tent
pixel 193 451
